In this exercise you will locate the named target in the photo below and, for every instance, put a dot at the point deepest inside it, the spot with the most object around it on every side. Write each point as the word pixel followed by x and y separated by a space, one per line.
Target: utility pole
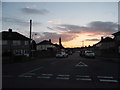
pixel 30 38
pixel 30 28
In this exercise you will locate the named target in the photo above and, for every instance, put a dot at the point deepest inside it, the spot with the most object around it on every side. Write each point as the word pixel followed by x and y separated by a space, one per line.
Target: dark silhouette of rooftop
pixel 9 35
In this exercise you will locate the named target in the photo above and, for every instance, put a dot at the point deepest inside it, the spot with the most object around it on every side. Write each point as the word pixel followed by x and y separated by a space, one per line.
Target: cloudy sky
pixel 74 22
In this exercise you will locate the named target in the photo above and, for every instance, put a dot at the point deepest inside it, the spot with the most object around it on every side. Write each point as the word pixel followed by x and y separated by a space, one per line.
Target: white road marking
pixel 46 77
pixel 105 77
pixel 36 69
pixel 84 79
pixel 47 74
pixel 81 64
pixel 106 80
pixel 64 75
pixel 63 78
pixel 30 72
pixel 82 76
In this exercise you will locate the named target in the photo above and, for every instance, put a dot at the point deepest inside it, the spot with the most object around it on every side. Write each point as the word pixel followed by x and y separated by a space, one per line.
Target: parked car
pixel 69 52
pixel 61 54
pixel 89 54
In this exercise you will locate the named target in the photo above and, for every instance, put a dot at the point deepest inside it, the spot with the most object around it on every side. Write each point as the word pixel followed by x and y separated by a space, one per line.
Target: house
pixel 14 43
pixel 105 47
pixel 117 41
pixel 105 43
pixel 45 45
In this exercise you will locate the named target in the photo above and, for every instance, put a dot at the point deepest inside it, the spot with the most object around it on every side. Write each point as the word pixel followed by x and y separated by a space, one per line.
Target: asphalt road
pixel 71 72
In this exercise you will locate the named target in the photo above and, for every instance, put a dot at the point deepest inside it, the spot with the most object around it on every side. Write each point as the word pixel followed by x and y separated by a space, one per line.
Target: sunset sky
pixel 74 22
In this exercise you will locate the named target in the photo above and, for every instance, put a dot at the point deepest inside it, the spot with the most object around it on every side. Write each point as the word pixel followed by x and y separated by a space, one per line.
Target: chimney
pixel 59 40
pixel 101 38
pixel 10 30
pixel 50 40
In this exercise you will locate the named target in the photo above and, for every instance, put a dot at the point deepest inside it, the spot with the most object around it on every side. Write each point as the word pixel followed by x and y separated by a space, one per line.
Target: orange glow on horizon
pixel 78 41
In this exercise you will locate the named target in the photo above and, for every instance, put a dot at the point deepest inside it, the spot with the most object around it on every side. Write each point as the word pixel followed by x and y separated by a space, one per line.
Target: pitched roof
pixel 13 36
pixel 117 33
pixel 45 42
pixel 107 39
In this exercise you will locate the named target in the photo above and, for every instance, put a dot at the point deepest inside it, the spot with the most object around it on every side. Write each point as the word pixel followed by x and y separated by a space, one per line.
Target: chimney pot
pixel 101 38
pixel 10 30
pixel 50 40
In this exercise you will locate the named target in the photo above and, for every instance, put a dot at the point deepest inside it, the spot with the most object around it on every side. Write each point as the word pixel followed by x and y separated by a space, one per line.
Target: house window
pixel 16 42
pixel 17 52
pixel 26 42
pixel 4 42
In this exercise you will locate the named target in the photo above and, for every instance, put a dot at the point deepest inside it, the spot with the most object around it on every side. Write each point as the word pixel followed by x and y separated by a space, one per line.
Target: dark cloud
pixel 92 39
pixel 50 28
pixel 103 26
pixel 70 28
pixel 34 11
pixel 94 27
pixel 54 37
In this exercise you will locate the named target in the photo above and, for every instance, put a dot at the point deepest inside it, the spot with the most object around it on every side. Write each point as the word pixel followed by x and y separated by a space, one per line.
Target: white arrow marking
pixel 81 64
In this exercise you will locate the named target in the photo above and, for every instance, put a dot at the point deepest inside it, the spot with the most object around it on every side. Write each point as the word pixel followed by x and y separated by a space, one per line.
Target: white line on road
pixel 30 72
pixel 82 76
pixel 105 77
pixel 47 74
pixel 36 69
pixel 84 79
pixel 46 77
pixel 64 75
pixel 106 80
pixel 81 64
pixel 63 78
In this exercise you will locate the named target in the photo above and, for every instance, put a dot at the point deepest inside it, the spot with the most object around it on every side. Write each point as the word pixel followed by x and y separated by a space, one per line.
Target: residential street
pixel 71 72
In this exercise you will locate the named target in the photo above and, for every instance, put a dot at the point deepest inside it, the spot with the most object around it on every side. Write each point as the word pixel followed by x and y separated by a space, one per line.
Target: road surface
pixel 71 72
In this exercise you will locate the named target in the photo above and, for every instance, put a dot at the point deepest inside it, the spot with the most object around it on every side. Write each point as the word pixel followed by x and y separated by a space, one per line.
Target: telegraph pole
pixel 30 28
pixel 30 37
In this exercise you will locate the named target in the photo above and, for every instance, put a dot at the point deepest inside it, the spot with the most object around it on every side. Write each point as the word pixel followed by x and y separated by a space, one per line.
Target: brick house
pixel 117 41
pixel 14 43
pixel 105 47
pixel 45 45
